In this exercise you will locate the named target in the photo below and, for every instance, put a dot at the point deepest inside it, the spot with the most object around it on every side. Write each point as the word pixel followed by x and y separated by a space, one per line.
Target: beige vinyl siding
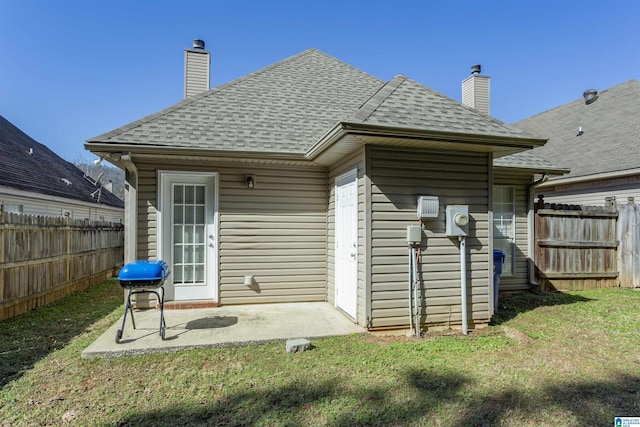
pixel 196 72
pixel 354 161
pixel 520 182
pixel 397 177
pixel 276 232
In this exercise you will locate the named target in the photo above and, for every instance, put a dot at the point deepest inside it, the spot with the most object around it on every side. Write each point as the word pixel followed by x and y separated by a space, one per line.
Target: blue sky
pixel 71 70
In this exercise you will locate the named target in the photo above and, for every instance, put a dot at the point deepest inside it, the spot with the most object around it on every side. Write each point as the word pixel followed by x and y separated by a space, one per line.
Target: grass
pixel 548 359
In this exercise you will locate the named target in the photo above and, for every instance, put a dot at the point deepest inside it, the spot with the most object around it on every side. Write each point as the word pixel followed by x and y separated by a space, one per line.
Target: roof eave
pixel 531 169
pixel 101 149
pixel 594 177
pixel 361 129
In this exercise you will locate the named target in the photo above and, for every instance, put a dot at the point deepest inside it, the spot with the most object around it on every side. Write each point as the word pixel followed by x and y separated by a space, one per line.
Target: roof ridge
pixel 371 105
pixel 194 98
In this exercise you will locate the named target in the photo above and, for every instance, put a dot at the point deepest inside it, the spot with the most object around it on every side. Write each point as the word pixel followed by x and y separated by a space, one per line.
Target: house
pixel 297 183
pixel 36 181
pixel 598 140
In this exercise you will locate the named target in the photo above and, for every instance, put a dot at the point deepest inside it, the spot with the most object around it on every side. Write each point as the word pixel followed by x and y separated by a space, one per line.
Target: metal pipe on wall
pixel 410 290
pixel 463 283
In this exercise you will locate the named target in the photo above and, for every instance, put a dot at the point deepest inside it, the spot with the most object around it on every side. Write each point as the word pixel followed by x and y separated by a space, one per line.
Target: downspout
pixel 531 238
pixel 130 208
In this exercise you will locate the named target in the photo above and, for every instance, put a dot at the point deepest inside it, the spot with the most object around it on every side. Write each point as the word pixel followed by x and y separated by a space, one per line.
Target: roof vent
pixel 590 96
pixel 198 44
pixel 475 69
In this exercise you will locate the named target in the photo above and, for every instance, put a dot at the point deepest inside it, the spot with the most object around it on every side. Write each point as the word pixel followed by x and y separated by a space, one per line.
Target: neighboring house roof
pixel 293 104
pixel 30 166
pixel 610 132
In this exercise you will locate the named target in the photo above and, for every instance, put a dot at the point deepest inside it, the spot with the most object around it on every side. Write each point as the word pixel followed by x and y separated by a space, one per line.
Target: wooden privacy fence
pixel 629 249
pixel 587 247
pixel 43 259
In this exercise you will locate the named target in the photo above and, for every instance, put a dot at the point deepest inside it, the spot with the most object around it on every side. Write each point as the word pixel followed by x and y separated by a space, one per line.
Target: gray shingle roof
pixel 42 171
pixel 610 132
pixel 527 160
pixel 284 107
pixel 406 103
pixel 288 106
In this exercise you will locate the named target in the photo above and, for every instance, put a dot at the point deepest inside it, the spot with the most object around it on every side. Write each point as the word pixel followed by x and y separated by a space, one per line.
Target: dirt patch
pixel 516 335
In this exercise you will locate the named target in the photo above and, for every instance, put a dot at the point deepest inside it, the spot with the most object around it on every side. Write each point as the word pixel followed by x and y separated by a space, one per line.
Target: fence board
pixel 46 258
pixel 576 246
pixel 629 252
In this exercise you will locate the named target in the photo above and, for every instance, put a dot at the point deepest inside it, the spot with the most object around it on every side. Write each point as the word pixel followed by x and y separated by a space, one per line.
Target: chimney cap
pixel 590 96
pixel 475 69
pixel 198 44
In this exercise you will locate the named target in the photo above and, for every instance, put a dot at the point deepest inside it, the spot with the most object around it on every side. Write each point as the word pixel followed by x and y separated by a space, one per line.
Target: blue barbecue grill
pixel 143 277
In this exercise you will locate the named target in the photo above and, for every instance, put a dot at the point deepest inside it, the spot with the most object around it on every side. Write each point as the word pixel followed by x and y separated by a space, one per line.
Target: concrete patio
pixel 221 326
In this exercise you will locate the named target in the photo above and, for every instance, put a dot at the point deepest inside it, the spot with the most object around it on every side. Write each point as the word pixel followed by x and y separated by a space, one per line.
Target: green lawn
pixel 549 360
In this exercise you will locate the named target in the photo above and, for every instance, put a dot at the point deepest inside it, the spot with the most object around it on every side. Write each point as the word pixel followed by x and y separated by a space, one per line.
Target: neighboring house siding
pixel 397 178
pixel 520 182
pixel 354 161
pixel 44 205
pixel 275 232
pixel 594 192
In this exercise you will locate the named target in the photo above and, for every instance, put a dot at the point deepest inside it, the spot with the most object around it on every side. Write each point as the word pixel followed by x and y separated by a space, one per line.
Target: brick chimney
pixel 476 90
pixel 197 69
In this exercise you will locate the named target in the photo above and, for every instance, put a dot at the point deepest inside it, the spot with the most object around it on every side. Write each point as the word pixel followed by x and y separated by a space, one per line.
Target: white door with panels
pixel 346 243
pixel 188 234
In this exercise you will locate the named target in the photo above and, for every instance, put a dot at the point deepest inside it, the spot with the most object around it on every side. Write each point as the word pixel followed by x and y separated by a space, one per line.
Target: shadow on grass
pixel 30 337
pixel 589 403
pixel 293 405
pixel 433 399
pixel 511 306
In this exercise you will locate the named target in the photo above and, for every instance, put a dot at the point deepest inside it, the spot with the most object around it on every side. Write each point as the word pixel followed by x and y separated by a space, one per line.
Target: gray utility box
pixel 414 235
pixel 457 220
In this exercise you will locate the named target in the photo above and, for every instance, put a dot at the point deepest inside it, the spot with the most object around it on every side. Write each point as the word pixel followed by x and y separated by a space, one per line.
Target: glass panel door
pixel 188 237
pixel 188 234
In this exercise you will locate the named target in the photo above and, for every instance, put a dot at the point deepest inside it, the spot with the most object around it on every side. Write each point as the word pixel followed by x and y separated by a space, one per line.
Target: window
pixel 504 227
pixel 12 208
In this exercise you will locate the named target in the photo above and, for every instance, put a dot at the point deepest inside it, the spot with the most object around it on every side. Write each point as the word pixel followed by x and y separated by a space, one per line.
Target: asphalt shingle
pixel 610 132
pixel 406 103
pixel 30 166
pixel 282 108
pixel 288 106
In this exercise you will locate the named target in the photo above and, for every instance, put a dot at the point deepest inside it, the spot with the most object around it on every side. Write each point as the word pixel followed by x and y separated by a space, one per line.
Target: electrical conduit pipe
pixel 463 283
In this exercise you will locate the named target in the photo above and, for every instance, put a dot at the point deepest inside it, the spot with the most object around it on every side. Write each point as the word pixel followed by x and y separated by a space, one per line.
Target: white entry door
pixel 346 248
pixel 188 237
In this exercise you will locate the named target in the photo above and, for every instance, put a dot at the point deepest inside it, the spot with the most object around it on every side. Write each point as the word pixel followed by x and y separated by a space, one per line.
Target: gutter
pixel 130 208
pixel 101 148
pixel 594 177
pixel 531 238
pixel 341 129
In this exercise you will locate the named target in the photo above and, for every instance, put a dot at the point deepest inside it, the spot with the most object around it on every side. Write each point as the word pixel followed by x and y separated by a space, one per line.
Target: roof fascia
pixel 343 128
pixel 103 149
pixel 585 178
pixel 533 170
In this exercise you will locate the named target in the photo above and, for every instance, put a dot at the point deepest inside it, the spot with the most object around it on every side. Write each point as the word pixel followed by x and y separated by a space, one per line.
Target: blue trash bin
pixel 498 261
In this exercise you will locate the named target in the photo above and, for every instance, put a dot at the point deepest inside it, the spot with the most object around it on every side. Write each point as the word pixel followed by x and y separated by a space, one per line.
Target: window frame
pixel 510 259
